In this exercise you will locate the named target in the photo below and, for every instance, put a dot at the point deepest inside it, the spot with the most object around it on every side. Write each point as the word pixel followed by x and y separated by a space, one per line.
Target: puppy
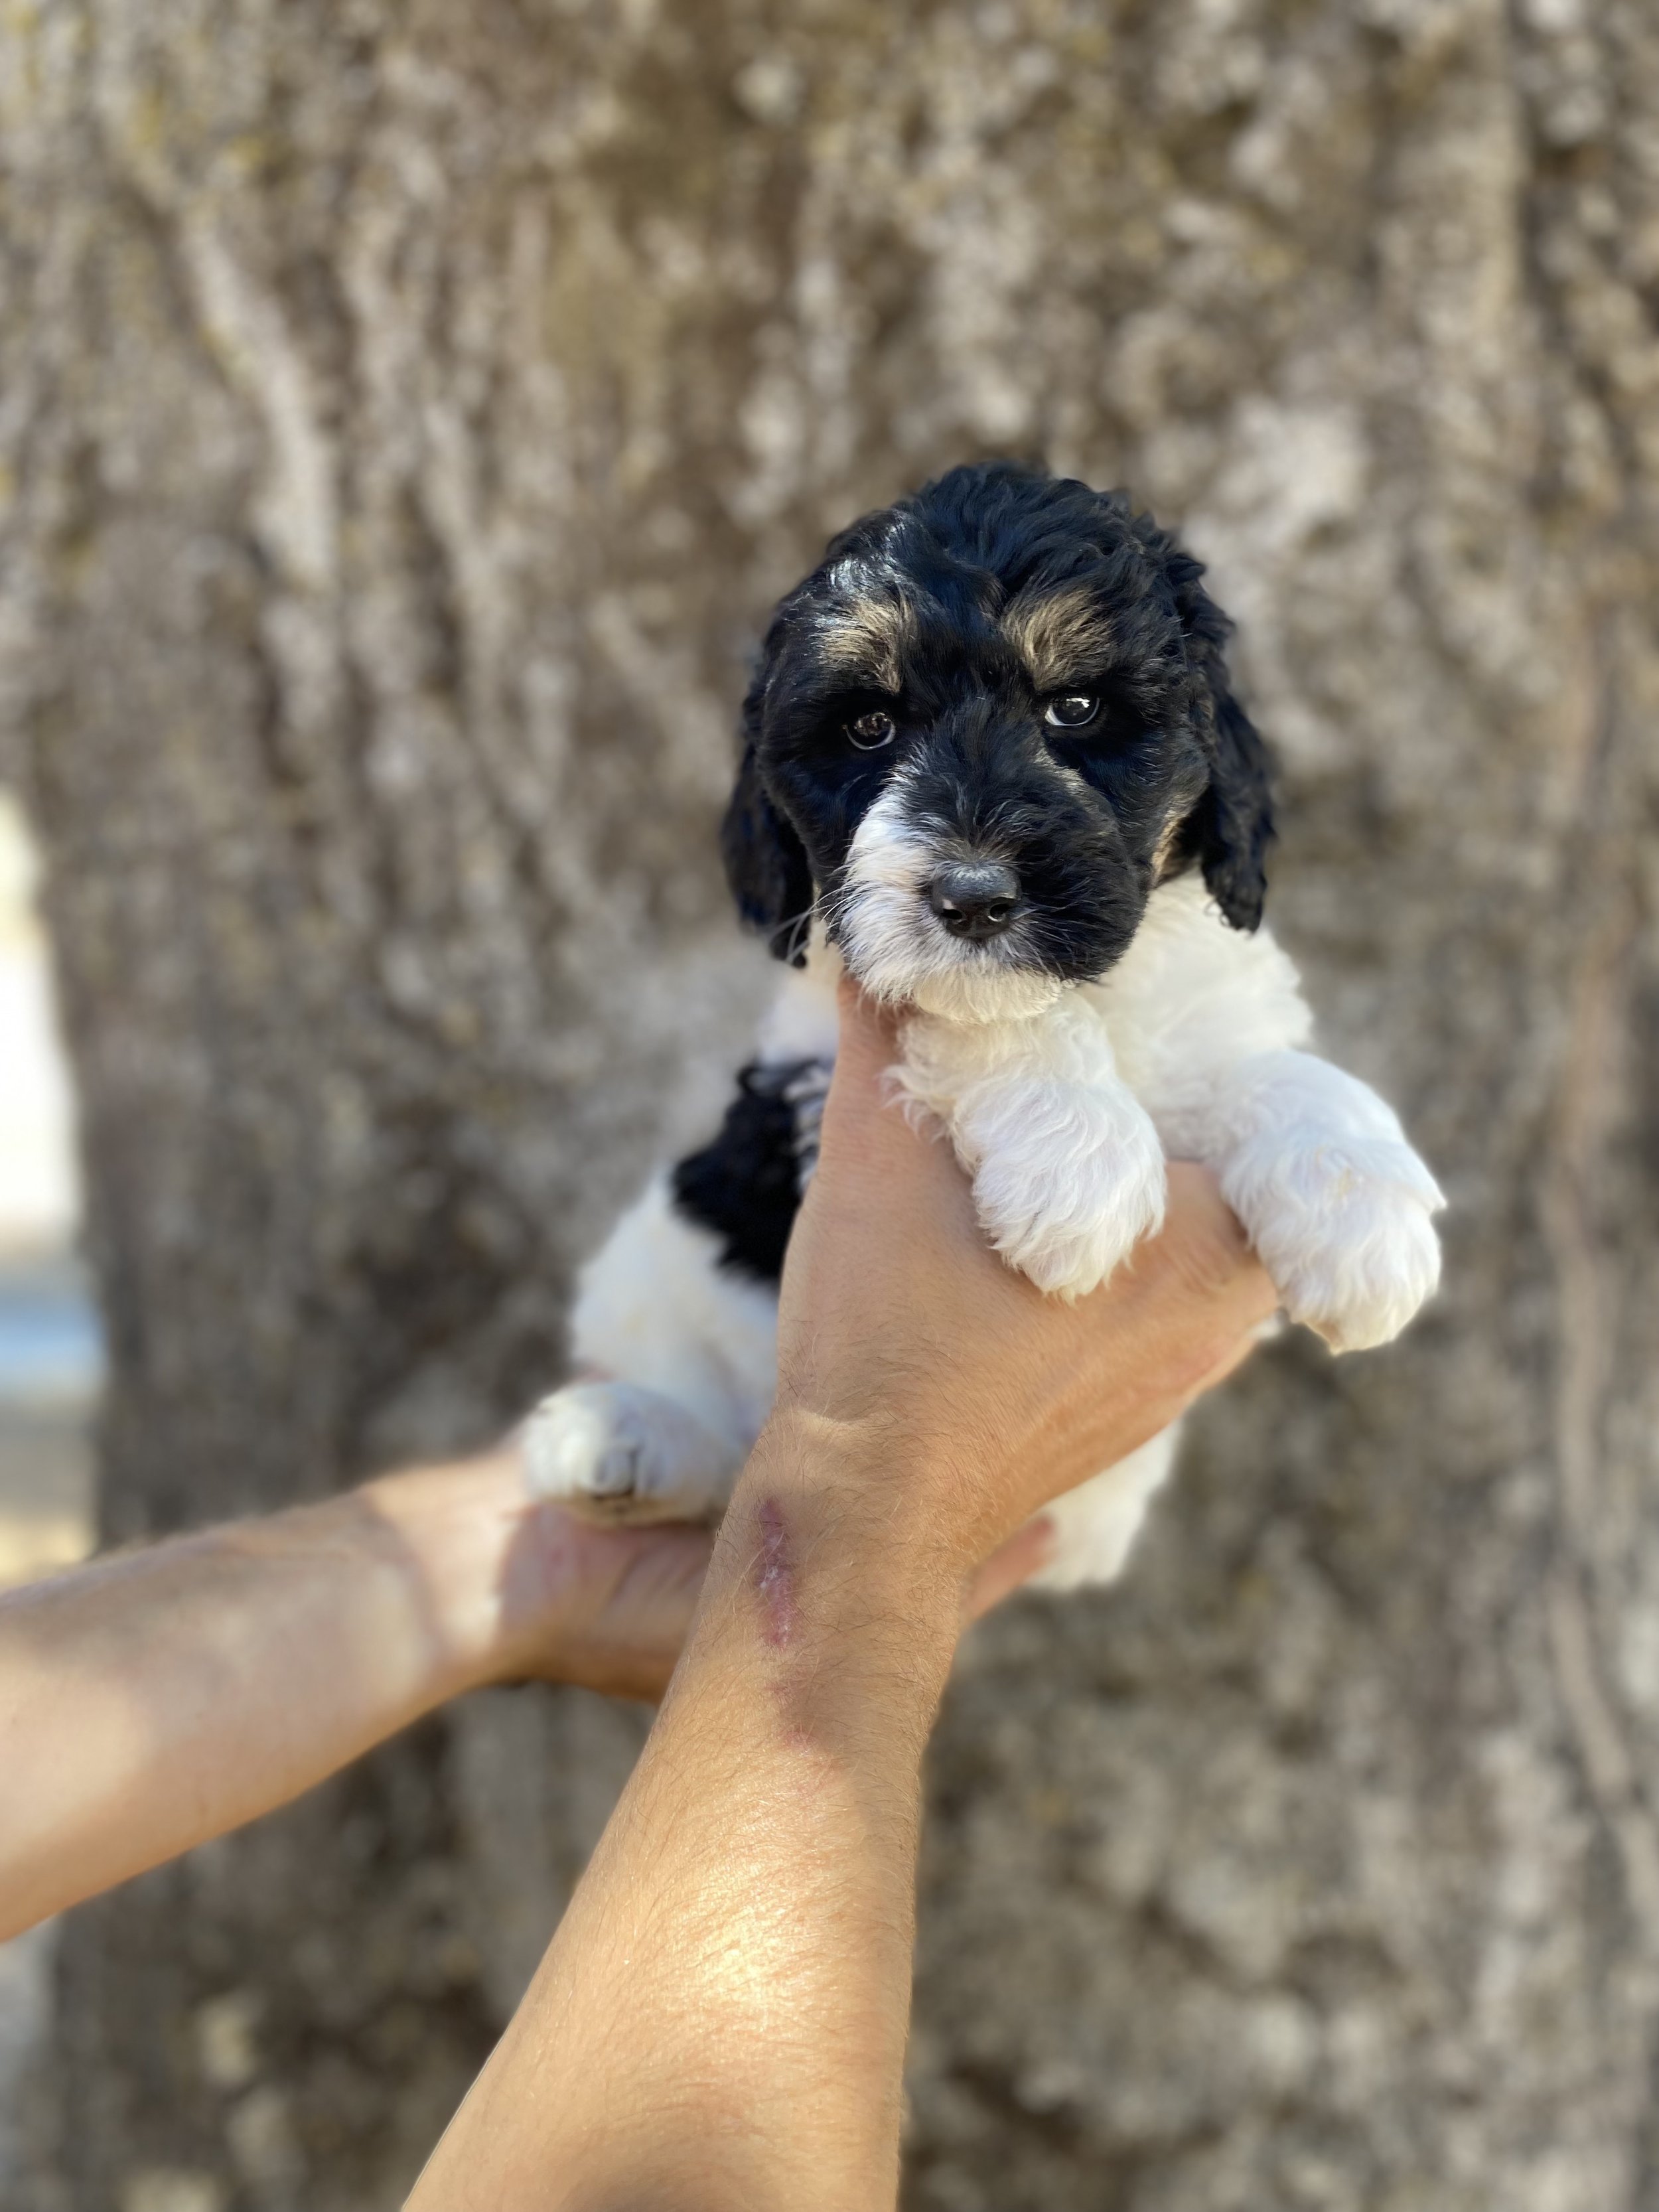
pixel 992 765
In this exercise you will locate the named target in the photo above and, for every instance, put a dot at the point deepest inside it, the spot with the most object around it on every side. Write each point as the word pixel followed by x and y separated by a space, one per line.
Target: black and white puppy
pixel 993 766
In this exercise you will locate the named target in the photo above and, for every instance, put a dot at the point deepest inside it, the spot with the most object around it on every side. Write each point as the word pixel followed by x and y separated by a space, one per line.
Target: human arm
pixel 719 2021
pixel 157 1698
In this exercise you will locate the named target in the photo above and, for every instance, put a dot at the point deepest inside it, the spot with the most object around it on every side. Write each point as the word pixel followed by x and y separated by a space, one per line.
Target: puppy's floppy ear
pixel 1234 820
pixel 765 861
pixel 1232 825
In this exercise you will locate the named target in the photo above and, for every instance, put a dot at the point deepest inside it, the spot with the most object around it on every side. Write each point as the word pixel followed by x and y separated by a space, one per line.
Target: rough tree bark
pixel 407 412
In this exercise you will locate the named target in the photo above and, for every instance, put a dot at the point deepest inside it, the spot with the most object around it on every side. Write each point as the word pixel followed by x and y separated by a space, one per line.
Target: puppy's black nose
pixel 974 899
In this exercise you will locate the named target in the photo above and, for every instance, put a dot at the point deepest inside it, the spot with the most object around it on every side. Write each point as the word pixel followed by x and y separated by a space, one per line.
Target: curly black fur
pixel 746 1185
pixel 918 610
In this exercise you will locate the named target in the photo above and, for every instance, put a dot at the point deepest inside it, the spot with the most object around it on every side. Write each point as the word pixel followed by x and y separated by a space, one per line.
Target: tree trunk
pixel 407 413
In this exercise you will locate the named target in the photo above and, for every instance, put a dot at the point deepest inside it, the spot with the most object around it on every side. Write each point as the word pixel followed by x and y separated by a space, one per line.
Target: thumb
pixel 869 1033
pixel 875 1155
pixel 854 1110
pixel 1008 1569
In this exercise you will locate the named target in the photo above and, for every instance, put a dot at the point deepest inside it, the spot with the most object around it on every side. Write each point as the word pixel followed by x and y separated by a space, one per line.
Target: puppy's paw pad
pixel 615 1452
pixel 583 1445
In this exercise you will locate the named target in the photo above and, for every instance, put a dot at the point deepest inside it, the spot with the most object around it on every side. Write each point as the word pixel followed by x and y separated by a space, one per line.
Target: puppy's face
pixel 982 731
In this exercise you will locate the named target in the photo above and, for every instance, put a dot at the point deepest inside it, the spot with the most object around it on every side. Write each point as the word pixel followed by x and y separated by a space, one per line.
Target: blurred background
pixel 49 1363
pixel 49 1350
pixel 407 415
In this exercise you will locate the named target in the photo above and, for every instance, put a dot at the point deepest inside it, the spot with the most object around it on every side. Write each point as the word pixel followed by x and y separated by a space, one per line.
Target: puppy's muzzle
pixel 974 899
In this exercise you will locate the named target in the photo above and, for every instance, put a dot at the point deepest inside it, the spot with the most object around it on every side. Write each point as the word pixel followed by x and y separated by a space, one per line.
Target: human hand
pixel 904 1335
pixel 515 1588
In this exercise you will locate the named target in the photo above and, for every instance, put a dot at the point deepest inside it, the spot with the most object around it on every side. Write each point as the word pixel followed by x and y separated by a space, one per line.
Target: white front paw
pixel 1343 1228
pixel 615 1451
pixel 1069 1185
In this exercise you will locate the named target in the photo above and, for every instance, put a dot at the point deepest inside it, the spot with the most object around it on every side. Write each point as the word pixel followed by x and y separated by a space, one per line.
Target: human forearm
pixel 720 2021
pixel 151 1700
pixel 156 1699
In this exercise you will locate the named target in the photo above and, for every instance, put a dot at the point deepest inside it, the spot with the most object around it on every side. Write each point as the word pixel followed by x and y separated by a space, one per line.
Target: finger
pixel 1230 1361
pixel 1202 1252
pixel 603 1605
pixel 867 1046
pixel 868 1042
pixel 1026 1552
pixel 861 1122
pixel 635 1640
pixel 661 1578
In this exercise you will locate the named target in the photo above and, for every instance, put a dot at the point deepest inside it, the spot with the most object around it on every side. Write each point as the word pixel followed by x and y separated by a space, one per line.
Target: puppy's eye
pixel 1075 711
pixel 870 731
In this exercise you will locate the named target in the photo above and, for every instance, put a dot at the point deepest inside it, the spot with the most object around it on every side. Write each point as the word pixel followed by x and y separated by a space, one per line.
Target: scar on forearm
pixel 774 1575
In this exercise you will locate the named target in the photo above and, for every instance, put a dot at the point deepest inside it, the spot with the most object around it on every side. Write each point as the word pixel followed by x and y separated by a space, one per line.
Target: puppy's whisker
pixel 799 926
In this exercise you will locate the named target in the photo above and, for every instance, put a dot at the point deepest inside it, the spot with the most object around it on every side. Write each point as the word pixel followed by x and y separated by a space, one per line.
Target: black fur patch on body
pixel 747 1184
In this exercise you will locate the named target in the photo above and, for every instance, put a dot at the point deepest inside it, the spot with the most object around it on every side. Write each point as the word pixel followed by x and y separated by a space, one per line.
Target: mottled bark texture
pixel 408 411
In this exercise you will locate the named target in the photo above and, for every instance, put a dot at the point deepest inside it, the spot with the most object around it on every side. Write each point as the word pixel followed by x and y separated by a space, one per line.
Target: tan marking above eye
pixel 1058 634
pixel 866 638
